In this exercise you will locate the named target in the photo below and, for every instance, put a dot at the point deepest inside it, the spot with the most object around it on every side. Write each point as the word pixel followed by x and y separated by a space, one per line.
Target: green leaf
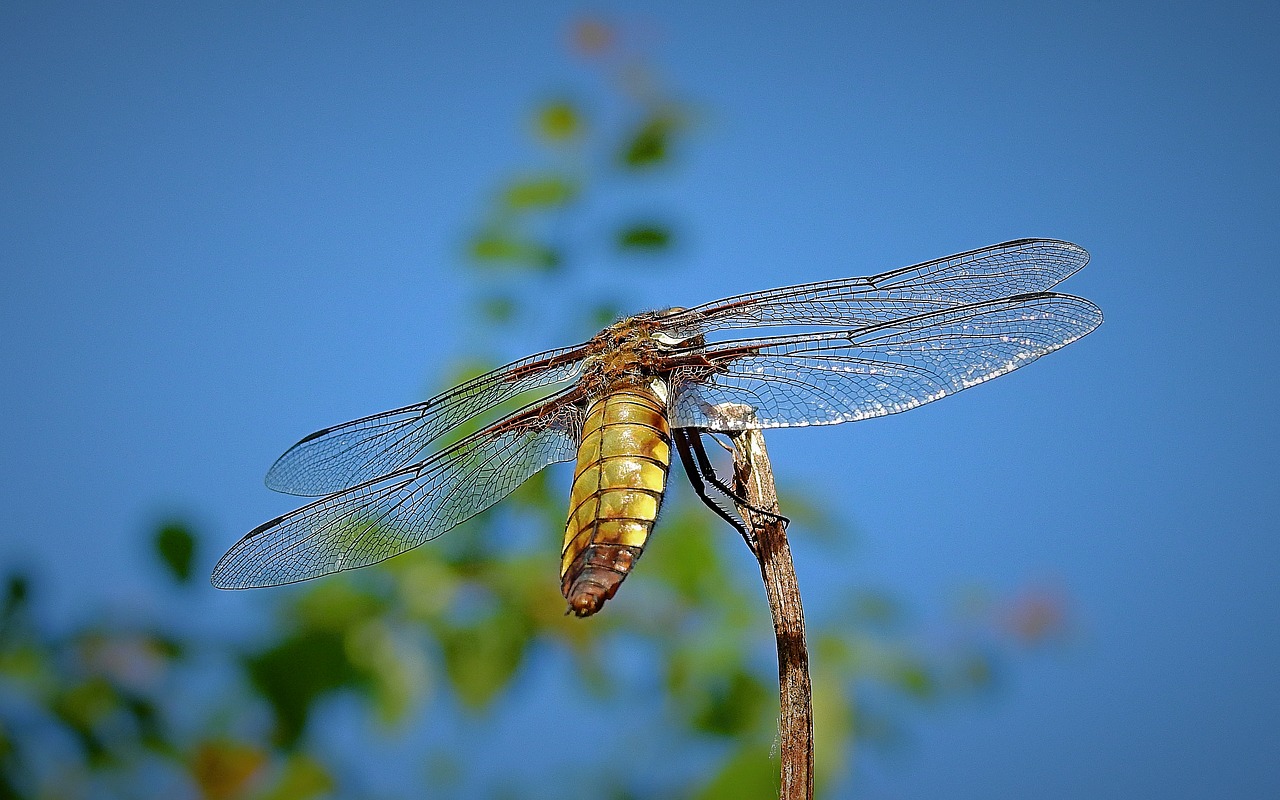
pixel 167 647
pixel 303 777
pixel 296 673
pixel 650 144
pixel 223 768
pixel 176 546
pixel 336 605
pixel 480 659
pixel 499 247
pixel 498 309
pixel 149 725
pixel 83 708
pixel 914 678
pixel 647 237
pixel 559 122
pixel 834 715
pixel 690 560
pixel 398 673
pixel 17 590
pixel 731 705
pixel 751 773
pixel 539 193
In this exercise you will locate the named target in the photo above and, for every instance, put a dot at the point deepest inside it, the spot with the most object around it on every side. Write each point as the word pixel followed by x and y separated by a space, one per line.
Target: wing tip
pixel 221 577
pixel 283 475
pixel 226 573
pixel 1073 257
pixel 230 574
pixel 219 581
pixel 283 478
pixel 235 569
pixel 278 474
pixel 1062 244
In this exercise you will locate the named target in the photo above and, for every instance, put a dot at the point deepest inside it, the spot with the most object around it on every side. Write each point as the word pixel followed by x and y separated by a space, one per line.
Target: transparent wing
pixel 382 518
pixel 352 453
pixel 355 452
pixel 842 376
pixel 1019 267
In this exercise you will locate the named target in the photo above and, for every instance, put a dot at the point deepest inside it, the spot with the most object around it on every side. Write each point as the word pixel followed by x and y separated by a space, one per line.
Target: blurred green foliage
pixel 120 710
pixel 549 191
pixel 559 122
pixel 645 236
pixel 649 145
pixel 176 546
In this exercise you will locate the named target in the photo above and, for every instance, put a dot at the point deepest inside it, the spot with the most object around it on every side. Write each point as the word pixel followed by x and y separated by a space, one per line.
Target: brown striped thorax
pixel 617 404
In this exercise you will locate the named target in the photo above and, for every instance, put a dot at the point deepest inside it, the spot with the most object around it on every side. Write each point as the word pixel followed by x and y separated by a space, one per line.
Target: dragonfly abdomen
pixel 618 484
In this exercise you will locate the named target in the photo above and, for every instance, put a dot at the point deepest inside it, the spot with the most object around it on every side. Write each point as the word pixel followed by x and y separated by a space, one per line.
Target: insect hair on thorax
pixel 632 352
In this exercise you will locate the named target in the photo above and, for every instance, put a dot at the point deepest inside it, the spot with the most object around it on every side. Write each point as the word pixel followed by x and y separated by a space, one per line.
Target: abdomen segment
pixel 617 490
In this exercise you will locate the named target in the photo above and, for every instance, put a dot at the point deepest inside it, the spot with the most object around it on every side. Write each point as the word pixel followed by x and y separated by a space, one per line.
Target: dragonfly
pixel 620 402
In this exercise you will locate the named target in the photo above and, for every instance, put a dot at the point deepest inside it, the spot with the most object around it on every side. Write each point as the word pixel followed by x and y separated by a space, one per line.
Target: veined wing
pixel 1022 266
pixel 362 450
pixel 384 517
pixel 842 376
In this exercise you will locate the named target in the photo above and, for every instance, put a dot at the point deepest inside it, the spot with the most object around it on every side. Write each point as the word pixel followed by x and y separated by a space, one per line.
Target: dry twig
pixel 753 482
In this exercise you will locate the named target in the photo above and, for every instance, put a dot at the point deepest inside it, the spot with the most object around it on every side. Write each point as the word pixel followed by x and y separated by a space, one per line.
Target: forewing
pixel 1003 270
pixel 362 450
pixel 382 518
pixel 843 376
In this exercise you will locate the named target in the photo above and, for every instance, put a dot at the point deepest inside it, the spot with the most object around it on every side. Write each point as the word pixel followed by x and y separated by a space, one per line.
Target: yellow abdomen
pixel 618 483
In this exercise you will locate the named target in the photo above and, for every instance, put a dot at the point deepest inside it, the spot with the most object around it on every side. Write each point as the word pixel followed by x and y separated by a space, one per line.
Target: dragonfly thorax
pixel 627 353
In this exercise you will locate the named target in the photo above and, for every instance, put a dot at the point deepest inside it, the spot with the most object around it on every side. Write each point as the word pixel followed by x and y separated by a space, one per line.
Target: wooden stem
pixel 753 481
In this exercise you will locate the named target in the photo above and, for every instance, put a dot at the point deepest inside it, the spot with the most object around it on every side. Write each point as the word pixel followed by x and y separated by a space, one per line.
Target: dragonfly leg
pixel 701 472
pixel 709 474
pixel 693 467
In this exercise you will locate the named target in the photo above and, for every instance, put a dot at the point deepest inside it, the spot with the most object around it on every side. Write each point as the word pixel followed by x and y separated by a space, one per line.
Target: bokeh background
pixel 222 227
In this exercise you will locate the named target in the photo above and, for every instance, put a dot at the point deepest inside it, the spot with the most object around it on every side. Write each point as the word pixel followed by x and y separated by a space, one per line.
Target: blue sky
pixel 223 227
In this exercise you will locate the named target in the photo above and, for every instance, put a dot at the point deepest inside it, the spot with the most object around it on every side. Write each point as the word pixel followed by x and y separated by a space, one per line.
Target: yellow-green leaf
pixel 751 773
pixel 559 121
pixel 535 193
pixel 303 778
pixel 498 247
